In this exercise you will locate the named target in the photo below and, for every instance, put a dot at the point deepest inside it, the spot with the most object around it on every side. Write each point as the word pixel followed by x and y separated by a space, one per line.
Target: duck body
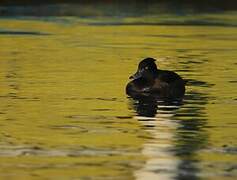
pixel 150 81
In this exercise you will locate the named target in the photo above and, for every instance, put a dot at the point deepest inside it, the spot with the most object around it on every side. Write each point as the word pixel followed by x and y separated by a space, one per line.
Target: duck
pixel 151 81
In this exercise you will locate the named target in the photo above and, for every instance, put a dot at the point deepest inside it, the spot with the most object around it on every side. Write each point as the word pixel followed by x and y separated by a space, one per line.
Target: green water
pixel 64 113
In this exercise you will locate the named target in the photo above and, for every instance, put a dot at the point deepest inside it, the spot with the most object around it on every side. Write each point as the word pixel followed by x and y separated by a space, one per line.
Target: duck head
pixel 146 69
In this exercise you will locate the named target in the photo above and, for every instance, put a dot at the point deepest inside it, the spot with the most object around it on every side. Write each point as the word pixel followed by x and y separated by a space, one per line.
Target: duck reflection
pixel 176 136
pixel 144 106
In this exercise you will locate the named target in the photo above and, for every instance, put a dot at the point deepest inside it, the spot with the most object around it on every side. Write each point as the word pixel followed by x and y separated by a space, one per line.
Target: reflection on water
pixel 191 137
pixel 156 119
pixel 171 150
pixel 64 113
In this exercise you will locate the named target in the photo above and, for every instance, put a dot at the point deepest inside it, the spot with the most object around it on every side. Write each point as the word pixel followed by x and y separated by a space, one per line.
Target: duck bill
pixel 137 75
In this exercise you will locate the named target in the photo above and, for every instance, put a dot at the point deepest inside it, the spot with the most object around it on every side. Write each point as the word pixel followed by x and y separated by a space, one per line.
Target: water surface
pixel 64 113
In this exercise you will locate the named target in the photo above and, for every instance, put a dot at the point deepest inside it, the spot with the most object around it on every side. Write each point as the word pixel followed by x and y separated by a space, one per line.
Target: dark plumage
pixel 148 80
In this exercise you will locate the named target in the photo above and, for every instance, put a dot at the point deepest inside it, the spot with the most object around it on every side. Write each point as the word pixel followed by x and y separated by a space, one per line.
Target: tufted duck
pixel 150 81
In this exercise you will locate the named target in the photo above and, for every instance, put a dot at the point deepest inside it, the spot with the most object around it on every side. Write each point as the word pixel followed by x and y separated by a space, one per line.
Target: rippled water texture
pixel 64 113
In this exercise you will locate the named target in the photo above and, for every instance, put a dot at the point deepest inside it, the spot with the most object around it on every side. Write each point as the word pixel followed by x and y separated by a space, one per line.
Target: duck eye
pixel 146 67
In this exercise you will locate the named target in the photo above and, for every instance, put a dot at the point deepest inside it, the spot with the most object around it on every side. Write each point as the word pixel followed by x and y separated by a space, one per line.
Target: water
pixel 64 113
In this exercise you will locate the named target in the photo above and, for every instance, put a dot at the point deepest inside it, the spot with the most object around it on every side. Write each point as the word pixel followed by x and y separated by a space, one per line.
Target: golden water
pixel 64 113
